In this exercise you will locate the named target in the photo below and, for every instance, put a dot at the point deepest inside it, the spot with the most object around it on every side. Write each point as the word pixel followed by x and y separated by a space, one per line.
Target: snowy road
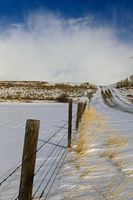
pixel 100 165
pixel 113 99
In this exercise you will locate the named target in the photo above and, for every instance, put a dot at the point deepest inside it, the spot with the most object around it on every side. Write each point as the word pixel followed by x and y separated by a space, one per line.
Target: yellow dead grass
pixel 117 141
pixel 87 172
pixel 110 154
pixel 86 132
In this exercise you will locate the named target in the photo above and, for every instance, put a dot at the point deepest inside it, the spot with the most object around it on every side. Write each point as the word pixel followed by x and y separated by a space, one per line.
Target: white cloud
pixel 51 48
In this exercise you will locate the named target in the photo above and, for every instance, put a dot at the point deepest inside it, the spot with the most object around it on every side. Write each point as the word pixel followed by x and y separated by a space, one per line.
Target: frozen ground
pixel 100 164
pixel 12 128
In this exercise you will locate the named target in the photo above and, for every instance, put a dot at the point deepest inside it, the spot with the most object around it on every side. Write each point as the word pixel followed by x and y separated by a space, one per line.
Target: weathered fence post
pixel 69 124
pixel 85 104
pixel 28 159
pixel 83 108
pixel 79 108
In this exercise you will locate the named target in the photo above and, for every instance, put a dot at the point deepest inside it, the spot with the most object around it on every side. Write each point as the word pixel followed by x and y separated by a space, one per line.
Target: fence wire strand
pixel 42 193
pixel 42 165
pixel 50 168
pixel 17 168
pixel 62 149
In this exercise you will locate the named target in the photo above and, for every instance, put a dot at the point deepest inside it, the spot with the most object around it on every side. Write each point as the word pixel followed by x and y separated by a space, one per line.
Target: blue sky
pixel 56 38
pixel 118 13
pixel 75 8
pixel 105 9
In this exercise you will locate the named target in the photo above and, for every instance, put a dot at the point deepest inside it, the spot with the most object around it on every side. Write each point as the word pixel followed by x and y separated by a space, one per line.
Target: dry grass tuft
pixel 114 143
pixel 111 154
pixel 83 129
pixel 117 141
pixel 87 172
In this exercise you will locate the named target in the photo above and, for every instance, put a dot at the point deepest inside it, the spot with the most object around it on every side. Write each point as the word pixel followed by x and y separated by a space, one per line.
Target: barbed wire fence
pixel 55 148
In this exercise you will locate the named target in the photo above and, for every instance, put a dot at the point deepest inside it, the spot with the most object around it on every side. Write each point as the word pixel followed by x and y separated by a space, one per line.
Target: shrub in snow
pixel 63 98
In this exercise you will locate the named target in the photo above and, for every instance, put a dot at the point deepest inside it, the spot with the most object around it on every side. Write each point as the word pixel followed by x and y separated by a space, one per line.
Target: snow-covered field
pixel 100 163
pixel 12 128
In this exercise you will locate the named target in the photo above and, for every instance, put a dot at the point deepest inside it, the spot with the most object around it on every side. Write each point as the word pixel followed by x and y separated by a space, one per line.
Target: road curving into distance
pixel 113 99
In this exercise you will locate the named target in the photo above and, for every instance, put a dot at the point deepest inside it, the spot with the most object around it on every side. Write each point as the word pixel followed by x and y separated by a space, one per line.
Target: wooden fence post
pixel 69 124
pixel 28 159
pixel 85 104
pixel 79 108
pixel 83 107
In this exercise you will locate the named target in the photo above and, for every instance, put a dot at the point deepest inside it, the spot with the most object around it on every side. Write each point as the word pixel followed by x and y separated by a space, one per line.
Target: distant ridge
pixel 29 91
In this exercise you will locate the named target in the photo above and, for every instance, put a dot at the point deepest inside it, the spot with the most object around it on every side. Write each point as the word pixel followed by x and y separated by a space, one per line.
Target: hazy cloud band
pixel 48 47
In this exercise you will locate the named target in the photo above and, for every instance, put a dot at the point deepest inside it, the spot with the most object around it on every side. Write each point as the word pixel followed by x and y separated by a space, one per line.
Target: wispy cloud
pixel 48 47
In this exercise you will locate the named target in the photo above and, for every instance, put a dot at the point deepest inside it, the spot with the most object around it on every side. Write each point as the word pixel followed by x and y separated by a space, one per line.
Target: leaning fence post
pixel 69 124
pixel 28 159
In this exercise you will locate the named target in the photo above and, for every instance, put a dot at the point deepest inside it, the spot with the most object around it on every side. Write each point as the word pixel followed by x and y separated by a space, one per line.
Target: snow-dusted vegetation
pixel 125 88
pixel 41 91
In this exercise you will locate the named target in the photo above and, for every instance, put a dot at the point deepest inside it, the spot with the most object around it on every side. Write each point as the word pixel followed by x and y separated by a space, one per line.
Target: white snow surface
pixel 13 119
pixel 104 167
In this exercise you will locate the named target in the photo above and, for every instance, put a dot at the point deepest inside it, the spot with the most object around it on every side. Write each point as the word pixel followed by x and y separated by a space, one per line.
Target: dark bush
pixel 130 95
pixel 63 98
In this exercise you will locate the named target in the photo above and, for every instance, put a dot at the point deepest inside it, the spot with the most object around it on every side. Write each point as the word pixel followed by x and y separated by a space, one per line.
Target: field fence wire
pixel 40 167
pixel 39 148
pixel 57 158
